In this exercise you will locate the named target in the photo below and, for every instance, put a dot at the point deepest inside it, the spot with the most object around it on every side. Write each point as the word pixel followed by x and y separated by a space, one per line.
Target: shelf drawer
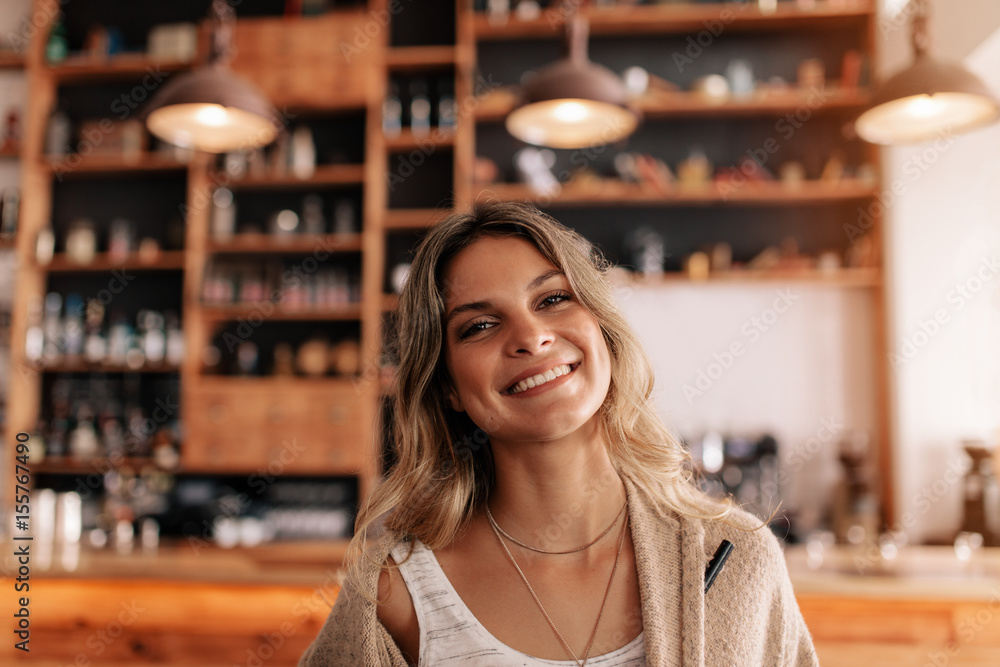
pixel 284 426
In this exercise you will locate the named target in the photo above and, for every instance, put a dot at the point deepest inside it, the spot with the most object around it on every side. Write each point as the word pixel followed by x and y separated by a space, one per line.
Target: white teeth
pixel 541 378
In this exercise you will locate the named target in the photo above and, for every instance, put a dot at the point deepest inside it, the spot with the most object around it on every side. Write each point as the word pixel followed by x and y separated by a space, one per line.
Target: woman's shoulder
pixel 395 610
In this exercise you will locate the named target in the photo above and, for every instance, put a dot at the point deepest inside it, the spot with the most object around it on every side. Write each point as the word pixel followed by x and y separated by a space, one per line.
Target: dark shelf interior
pixel 81 15
pixel 422 23
pixel 672 57
pixel 421 178
pixel 123 293
pixel 685 230
pixel 268 334
pixel 154 203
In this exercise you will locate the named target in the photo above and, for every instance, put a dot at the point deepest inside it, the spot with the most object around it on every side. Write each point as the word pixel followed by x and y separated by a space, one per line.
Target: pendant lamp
pixel 573 103
pixel 927 99
pixel 212 108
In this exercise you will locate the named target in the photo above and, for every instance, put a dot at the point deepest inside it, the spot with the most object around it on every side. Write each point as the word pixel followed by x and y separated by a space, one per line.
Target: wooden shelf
pixel 680 104
pixel 280 313
pixel 67 465
pixel 413 218
pixel 278 382
pixel 845 277
pixel 408 58
pixel 11 60
pixel 270 244
pixel 390 302
pixel 83 366
pixel 111 165
pixel 330 174
pixel 84 68
pixel 616 193
pixel 406 141
pixel 167 260
pixel 679 18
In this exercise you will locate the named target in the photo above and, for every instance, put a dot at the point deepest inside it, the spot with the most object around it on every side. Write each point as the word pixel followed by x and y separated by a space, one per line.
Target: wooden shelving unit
pixel 325 175
pixel 276 382
pixel 414 218
pixel 417 58
pixel 847 278
pixel 300 65
pixel 663 105
pixel 64 166
pixel 680 18
pixel 407 140
pixel 83 366
pixel 88 69
pixel 280 312
pixel 66 465
pixel 165 260
pixel 266 244
pixel 764 193
pixel 11 60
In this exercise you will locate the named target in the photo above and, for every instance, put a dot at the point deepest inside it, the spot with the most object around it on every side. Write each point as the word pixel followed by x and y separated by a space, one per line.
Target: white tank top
pixel 451 635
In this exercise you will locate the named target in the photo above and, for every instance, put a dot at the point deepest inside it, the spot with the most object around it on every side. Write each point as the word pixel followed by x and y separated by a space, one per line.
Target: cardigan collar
pixel 670 563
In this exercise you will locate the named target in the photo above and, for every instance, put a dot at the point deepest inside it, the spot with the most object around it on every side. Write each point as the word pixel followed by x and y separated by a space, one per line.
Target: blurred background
pixel 197 325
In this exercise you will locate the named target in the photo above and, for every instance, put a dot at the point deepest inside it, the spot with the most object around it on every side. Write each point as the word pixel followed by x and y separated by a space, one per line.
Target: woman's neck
pixel 555 495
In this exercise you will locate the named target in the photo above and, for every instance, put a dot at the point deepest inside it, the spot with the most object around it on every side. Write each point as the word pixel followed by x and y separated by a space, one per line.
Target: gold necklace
pixel 538 602
pixel 496 527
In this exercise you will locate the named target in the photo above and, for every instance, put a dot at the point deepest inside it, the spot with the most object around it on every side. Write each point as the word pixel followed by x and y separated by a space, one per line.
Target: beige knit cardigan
pixel 749 616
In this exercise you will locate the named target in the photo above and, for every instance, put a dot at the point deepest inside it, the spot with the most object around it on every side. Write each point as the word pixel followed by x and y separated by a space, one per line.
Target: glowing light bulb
pixel 571 112
pixel 924 106
pixel 212 114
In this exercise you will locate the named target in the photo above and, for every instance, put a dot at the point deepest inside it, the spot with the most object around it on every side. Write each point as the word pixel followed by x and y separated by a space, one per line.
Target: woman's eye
pixel 474 328
pixel 554 299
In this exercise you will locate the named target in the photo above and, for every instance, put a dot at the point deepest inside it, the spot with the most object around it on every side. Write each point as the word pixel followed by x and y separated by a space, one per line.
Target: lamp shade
pixel 212 109
pixel 573 103
pixel 927 99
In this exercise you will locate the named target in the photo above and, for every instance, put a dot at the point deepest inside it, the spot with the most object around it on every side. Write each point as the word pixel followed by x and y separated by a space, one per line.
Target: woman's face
pixel 527 360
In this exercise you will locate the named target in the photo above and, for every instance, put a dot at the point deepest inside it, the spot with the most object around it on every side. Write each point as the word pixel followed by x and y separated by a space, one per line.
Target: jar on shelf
pixel 81 241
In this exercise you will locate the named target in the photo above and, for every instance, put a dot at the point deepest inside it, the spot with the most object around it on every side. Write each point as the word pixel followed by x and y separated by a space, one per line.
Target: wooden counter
pixel 186 604
pixel 254 607
pixel 922 608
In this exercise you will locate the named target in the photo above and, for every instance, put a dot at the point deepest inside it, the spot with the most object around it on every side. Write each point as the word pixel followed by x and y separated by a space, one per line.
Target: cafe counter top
pixel 197 605
pixel 307 562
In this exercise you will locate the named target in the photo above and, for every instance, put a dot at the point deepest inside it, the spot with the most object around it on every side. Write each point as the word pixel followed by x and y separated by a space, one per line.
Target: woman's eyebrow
pixel 483 305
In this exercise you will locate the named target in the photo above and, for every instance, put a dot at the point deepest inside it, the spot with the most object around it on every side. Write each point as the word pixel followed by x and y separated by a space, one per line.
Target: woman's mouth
pixel 541 378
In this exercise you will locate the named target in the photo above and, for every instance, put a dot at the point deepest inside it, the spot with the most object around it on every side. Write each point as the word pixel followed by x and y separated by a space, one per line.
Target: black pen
pixel 718 560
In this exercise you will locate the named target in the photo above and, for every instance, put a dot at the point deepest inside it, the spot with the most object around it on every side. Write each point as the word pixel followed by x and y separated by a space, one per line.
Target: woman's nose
pixel 529 334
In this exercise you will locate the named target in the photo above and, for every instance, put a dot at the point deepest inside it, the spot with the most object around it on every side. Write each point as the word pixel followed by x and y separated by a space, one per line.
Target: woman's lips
pixel 541 379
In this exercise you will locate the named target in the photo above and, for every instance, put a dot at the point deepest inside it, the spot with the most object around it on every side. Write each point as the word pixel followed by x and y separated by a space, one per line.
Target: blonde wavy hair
pixel 444 466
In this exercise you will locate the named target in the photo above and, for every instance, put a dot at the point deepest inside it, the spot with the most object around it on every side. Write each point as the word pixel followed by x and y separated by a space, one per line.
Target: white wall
pixel 944 229
pixel 804 375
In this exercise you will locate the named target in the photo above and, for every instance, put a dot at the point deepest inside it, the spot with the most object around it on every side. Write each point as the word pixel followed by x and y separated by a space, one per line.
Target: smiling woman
pixel 539 510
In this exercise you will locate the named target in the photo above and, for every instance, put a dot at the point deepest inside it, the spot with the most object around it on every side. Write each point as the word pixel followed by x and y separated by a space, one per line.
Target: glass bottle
pixel 57 48
pixel 420 109
pixel 447 110
pixel 392 112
